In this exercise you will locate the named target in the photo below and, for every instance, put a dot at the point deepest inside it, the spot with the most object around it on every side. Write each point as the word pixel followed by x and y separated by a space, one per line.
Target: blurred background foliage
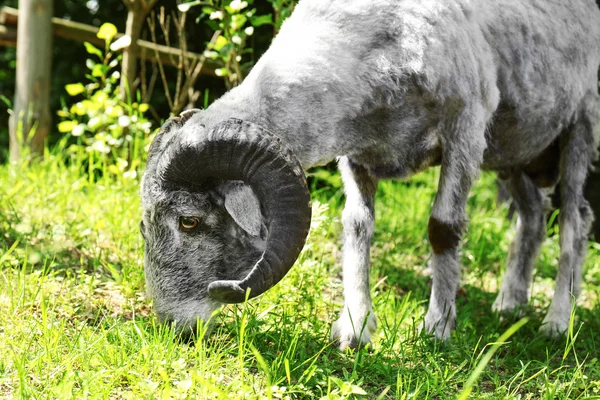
pixel 70 63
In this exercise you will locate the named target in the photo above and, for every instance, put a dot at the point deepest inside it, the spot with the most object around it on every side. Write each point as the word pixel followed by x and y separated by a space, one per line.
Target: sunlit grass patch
pixel 75 323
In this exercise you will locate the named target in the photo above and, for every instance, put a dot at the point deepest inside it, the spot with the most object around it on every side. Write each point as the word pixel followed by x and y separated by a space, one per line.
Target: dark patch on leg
pixel 443 235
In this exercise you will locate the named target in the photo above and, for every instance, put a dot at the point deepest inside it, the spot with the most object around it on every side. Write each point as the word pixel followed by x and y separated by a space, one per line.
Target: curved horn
pixel 163 136
pixel 238 150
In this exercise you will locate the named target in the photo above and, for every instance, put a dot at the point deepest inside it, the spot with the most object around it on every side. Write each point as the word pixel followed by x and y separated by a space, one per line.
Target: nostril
pixel 143 229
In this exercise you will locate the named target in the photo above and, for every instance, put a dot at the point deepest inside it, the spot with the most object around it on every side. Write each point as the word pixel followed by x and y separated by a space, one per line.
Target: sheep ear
pixel 243 206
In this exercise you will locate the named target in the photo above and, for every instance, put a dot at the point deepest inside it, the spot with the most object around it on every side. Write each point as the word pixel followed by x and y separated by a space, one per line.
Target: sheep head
pixel 226 210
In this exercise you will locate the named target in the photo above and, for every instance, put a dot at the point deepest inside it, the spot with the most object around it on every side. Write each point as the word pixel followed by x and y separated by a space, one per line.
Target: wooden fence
pixel 9 19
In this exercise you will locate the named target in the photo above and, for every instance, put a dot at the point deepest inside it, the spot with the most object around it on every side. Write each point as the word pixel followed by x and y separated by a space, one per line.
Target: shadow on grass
pixel 402 359
pixel 35 247
pixel 527 353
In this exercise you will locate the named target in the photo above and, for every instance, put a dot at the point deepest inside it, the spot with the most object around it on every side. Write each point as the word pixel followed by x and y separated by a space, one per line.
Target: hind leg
pixel 531 205
pixel 578 148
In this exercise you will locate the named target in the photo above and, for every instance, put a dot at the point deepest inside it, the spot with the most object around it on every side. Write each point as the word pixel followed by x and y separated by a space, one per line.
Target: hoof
pixel 353 333
pixel 439 325
pixel 554 329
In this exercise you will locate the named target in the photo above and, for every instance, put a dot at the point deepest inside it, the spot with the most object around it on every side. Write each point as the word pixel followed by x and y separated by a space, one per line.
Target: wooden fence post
pixel 31 114
pixel 137 12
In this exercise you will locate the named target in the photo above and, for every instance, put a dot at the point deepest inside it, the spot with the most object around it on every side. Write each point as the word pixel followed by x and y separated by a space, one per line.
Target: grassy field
pixel 74 321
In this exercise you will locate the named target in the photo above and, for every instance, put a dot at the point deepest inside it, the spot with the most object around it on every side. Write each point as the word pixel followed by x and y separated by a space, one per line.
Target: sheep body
pixel 369 79
pixel 394 86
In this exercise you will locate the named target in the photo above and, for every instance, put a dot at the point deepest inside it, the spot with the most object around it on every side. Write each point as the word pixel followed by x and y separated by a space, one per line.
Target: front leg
pixel 461 157
pixel 357 321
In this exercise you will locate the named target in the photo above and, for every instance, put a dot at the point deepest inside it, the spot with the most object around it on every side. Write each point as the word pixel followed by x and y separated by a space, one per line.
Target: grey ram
pixel 389 88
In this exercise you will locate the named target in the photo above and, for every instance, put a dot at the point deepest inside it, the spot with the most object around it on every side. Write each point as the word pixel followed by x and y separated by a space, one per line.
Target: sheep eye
pixel 188 223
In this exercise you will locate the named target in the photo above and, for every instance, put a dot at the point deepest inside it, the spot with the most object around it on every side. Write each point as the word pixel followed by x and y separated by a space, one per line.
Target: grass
pixel 74 322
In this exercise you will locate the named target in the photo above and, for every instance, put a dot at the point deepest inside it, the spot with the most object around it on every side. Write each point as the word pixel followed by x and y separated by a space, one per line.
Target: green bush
pixel 235 21
pixel 112 131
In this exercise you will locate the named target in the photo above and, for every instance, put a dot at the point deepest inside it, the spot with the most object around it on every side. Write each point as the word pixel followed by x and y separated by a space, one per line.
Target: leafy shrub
pixel 282 9
pixel 235 21
pixel 112 132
